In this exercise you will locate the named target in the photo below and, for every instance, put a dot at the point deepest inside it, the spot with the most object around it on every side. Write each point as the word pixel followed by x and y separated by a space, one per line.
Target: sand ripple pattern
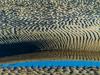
pixel 51 24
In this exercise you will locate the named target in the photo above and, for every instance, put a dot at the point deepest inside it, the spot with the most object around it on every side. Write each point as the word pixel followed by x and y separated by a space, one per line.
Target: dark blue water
pixel 18 48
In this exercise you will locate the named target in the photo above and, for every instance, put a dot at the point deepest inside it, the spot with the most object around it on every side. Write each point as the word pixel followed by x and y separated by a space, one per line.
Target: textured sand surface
pixel 58 26
pixel 51 24
pixel 51 71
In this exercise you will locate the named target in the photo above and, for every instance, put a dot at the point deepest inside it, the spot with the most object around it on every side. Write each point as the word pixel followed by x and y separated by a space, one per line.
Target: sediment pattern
pixel 52 24
pixel 53 55
pixel 50 71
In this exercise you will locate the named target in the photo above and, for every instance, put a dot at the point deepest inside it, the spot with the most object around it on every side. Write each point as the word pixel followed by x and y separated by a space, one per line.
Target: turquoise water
pixel 54 63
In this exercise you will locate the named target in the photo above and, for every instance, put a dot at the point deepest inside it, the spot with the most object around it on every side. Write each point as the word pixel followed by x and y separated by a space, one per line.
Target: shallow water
pixel 51 63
